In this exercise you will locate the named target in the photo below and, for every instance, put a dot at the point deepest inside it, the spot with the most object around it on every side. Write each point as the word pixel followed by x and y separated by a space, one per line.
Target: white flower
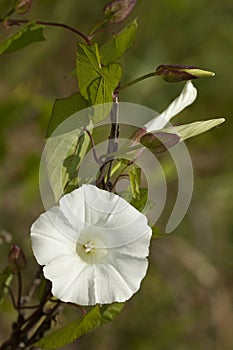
pixel 186 98
pixel 93 247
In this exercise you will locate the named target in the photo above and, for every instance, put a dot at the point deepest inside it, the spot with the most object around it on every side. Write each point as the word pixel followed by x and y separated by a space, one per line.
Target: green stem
pixel 135 81
pixel 96 26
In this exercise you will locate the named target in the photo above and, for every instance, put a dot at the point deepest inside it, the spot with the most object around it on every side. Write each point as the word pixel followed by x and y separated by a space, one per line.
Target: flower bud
pixel 16 259
pixel 159 142
pixel 173 73
pixel 22 6
pixel 138 134
pixel 118 10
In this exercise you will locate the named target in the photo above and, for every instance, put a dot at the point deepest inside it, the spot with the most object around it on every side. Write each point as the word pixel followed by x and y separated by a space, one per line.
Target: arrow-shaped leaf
pixel 72 331
pixel 64 108
pixel 30 33
pixel 96 83
pixel 117 45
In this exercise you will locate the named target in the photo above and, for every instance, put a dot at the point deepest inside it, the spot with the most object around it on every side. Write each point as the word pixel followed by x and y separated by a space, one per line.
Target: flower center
pixel 92 252
pixel 89 247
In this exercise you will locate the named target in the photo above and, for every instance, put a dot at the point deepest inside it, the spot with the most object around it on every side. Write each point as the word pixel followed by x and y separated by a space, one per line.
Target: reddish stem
pixel 52 24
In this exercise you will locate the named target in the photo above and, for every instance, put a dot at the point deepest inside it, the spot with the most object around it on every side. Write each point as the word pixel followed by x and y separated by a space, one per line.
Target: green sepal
pixel 141 202
pixel 109 312
pixel 28 34
pixel 135 180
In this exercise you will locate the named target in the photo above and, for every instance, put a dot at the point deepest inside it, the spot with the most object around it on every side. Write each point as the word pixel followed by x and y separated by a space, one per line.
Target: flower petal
pixel 113 282
pixel 72 279
pixel 97 208
pixel 187 97
pixel 48 239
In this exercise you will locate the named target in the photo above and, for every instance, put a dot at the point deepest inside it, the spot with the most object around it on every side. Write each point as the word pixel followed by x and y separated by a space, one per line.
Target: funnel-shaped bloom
pixel 186 98
pixel 159 122
pixel 93 247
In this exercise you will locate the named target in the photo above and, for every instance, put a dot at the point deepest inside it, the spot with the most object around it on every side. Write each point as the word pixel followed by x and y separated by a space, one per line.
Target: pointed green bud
pixel 16 259
pixel 173 73
pixel 118 10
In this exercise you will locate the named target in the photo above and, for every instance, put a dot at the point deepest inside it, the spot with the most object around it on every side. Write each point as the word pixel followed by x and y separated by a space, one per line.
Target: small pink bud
pixel 22 6
pixel 118 10
pixel 16 259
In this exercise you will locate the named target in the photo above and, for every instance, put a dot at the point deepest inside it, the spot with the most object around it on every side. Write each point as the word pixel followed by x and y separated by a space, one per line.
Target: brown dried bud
pixel 173 73
pixel 16 259
pixel 159 142
pixel 138 134
pixel 118 10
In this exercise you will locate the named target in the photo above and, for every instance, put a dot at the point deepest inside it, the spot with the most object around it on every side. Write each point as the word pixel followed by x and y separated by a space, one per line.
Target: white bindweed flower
pixel 186 131
pixel 186 98
pixel 93 246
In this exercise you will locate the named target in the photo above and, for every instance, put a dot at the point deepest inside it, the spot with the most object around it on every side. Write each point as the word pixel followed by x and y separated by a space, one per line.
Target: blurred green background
pixel 185 299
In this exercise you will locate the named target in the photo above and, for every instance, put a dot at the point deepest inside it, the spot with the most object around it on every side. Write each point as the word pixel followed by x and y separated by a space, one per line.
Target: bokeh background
pixel 185 299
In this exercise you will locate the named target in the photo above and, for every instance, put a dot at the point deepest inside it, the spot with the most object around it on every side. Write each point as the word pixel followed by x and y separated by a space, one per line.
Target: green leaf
pixel 72 331
pixel 88 67
pixel 64 151
pixel 72 161
pixel 114 48
pixel 30 33
pixel 64 108
pixel 135 180
pixel 5 280
pixel 67 144
pixel 187 131
pixel 109 312
pixel 96 83
pixel 101 92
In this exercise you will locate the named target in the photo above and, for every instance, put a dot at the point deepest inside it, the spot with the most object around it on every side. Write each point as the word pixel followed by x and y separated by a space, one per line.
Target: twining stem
pixel 33 286
pixel 45 23
pixel 19 277
pixel 135 81
pixel 112 147
pixel 113 138
pixel 23 325
pixel 114 134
